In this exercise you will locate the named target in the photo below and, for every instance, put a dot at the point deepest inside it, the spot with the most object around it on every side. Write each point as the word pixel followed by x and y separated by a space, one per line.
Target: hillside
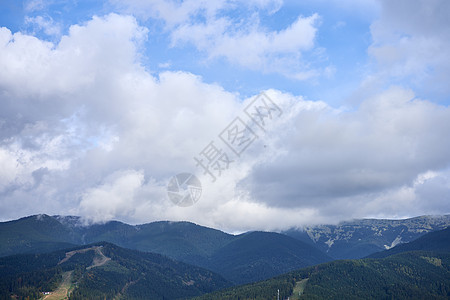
pixel 104 271
pixel 259 255
pixel 41 233
pixel 360 238
pixel 403 272
pixel 35 234
pixel 240 259
pixel 438 241
pixel 192 243
pixel 413 275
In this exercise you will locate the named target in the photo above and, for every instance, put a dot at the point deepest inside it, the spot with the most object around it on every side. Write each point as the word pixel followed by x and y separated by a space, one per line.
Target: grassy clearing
pixel 298 289
pixel 61 292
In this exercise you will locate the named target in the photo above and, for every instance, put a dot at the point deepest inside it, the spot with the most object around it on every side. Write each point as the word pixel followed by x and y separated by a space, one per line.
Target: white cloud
pixel 34 5
pixel 165 65
pixel 242 40
pixel 338 157
pixel 253 47
pixel 44 23
pixel 410 41
pixel 114 198
pixel 86 104
pixel 8 171
pixel 178 12
pixel 86 129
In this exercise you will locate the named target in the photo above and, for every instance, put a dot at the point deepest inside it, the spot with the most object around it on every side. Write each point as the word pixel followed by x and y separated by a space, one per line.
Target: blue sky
pixel 340 44
pixel 339 60
pixel 103 101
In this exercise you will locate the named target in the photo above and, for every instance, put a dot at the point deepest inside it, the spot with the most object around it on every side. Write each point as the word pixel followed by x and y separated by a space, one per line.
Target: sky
pixel 289 113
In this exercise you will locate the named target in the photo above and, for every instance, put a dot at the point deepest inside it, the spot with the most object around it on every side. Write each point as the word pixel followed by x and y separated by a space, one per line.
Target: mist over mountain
pixel 188 241
pixel 230 149
pixel 239 258
pixel 36 245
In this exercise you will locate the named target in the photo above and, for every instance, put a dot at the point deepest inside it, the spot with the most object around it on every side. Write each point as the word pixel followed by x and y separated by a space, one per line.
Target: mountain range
pixel 267 253
pixel 409 272
pixel 436 241
pixel 117 260
pixel 360 238
pixel 186 241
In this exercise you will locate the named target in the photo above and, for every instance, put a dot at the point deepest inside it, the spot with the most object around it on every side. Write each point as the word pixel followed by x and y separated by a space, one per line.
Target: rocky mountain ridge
pixel 359 238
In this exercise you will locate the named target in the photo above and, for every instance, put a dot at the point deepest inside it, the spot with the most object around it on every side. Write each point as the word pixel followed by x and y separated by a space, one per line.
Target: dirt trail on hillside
pixel 99 261
pixel 61 292
pixel 72 253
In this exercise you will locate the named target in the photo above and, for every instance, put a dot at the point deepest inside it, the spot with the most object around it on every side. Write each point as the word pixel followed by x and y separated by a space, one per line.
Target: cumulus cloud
pixel 349 160
pixel 114 198
pixel 86 129
pixel 88 106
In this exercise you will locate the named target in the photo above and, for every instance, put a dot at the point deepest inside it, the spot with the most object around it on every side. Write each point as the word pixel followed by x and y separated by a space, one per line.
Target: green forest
pixel 419 269
pixel 410 275
pixel 126 274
